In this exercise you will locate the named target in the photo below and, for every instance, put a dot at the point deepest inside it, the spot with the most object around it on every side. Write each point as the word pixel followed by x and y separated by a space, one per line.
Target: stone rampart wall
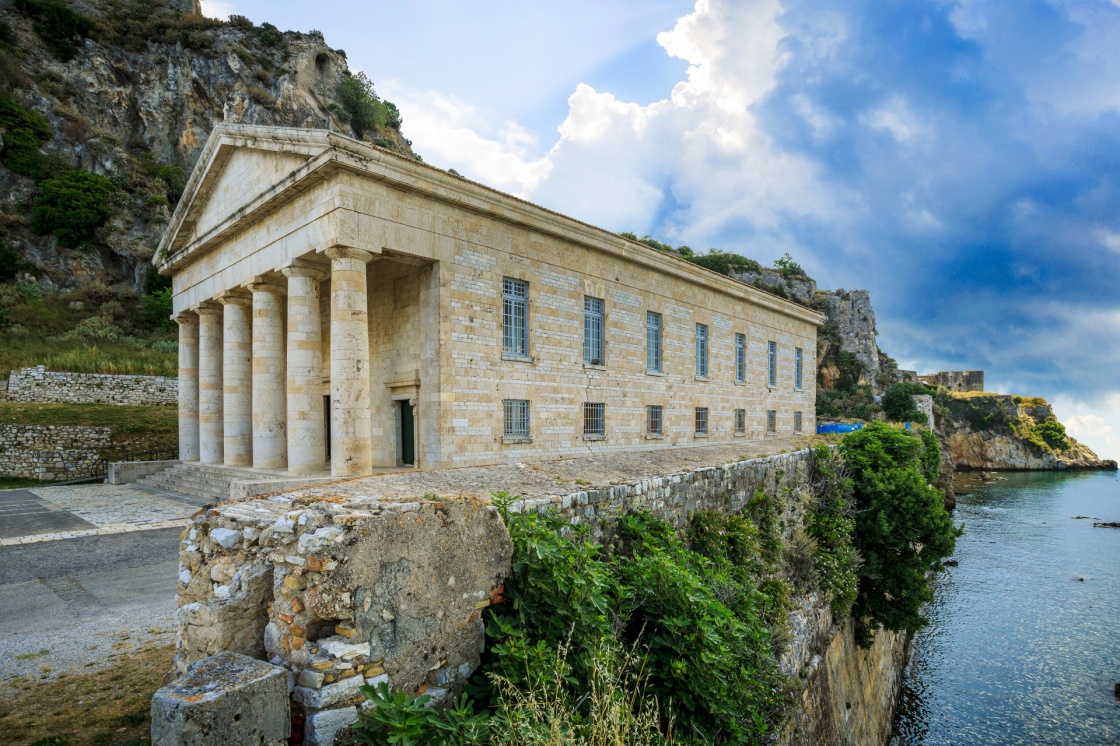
pixel 40 385
pixel 51 452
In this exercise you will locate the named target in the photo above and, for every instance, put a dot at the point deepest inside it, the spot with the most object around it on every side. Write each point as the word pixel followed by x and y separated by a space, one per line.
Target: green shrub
pixel 359 100
pixel 902 528
pixel 724 262
pixel 154 281
pixel 157 308
pixel 72 207
pixel 174 179
pixel 1053 433
pixel 60 27
pixel 269 35
pixel 25 131
pixel 7 37
pixel 899 405
pixel 788 267
pixel 10 263
pixel 831 523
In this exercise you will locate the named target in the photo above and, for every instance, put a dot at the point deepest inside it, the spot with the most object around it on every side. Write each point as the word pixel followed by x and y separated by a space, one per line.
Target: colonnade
pixel 251 395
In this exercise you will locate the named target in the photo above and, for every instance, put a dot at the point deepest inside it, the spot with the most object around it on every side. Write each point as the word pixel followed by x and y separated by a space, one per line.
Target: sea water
pixel 1023 645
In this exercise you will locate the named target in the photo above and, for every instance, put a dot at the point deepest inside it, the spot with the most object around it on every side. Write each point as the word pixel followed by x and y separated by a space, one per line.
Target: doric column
pixel 237 378
pixel 270 424
pixel 307 447
pixel 188 385
pixel 210 446
pixel 351 453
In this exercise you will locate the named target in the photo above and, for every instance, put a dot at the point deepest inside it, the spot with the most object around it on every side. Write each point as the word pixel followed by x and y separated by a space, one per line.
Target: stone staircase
pixel 207 481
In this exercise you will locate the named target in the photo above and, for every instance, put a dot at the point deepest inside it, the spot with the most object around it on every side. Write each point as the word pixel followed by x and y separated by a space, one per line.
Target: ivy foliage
pixel 72 206
pixel 902 528
pixel 57 25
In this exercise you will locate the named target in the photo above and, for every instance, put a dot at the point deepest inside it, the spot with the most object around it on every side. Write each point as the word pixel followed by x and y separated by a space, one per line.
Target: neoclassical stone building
pixel 341 307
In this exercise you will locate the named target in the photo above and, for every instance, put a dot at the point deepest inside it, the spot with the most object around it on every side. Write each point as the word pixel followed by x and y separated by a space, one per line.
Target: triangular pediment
pixel 238 165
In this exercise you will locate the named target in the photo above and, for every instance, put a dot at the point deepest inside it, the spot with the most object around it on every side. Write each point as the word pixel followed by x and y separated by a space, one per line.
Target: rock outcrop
pixel 136 104
pixel 999 432
pixel 797 288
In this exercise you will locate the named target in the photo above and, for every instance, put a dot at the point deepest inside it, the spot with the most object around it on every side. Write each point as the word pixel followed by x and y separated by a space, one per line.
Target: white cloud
pixel 1109 239
pixel 1094 422
pixel 217 9
pixel 894 116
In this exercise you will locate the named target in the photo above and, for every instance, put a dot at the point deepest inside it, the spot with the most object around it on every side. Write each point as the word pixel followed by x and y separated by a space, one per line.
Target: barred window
pixel 592 331
pixel 593 419
pixel 516 420
pixel 772 363
pixel 654 420
pixel 653 342
pixel 740 420
pixel 771 421
pixel 740 358
pixel 702 350
pixel 797 370
pixel 797 422
pixel 701 420
pixel 515 316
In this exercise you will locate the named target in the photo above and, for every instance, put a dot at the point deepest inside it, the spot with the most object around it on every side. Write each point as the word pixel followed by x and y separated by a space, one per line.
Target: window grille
pixel 516 418
pixel 797 369
pixel 740 420
pixel 797 422
pixel 702 350
pixel 593 419
pixel 653 342
pixel 772 363
pixel 654 419
pixel 592 331
pixel 515 316
pixel 701 420
pixel 740 358
pixel 771 421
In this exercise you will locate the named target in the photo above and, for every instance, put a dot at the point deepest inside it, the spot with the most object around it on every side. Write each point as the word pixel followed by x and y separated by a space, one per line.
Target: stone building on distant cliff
pixel 956 380
pixel 339 304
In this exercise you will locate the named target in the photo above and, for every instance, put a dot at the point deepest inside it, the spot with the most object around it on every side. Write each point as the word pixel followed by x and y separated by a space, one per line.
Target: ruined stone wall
pixel 40 385
pixel 50 452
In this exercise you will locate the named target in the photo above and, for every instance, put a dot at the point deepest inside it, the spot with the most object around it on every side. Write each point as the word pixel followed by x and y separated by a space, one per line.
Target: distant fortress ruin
pixel 953 380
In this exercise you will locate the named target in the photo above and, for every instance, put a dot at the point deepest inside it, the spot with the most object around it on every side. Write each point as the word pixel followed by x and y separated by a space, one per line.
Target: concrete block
pixel 126 472
pixel 223 699
pixel 321 727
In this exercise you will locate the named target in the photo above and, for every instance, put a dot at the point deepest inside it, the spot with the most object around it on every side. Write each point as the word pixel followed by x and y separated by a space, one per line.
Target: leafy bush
pixel 724 262
pixel 24 131
pixel 93 329
pixel 831 523
pixel 7 37
pixel 899 405
pixel 902 528
pixel 360 102
pixel 174 178
pixel 788 267
pixel 269 35
pixel 154 281
pixel 60 27
pixel 10 262
pixel 1053 433
pixel 72 207
pixel 157 308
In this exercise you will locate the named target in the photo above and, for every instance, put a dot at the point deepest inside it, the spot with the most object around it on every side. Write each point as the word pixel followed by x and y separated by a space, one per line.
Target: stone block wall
pixel 51 452
pixel 40 385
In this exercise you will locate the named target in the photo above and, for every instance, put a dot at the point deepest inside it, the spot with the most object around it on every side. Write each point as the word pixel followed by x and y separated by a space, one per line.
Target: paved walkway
pixel 39 514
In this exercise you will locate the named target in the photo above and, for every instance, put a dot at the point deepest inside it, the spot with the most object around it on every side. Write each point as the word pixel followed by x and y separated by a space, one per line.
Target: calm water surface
pixel 1023 645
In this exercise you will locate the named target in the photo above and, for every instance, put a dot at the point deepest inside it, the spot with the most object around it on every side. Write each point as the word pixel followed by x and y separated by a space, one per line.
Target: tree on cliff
pixel 902 528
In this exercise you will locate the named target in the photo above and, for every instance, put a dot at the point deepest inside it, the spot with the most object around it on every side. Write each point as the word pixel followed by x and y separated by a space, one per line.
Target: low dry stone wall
pixel 40 385
pixel 51 452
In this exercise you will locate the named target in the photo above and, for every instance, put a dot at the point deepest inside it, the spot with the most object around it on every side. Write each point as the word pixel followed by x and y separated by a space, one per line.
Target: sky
pixel 959 160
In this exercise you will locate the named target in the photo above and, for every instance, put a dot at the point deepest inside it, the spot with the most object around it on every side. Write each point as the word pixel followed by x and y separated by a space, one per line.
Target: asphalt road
pixel 82 601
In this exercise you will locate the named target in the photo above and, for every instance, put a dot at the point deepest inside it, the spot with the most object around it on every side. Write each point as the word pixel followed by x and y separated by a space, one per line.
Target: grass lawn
pixel 133 429
pixel 102 708
pixel 15 483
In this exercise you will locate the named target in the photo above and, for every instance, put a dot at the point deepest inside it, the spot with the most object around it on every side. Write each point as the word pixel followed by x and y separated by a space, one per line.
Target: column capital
pixel 185 318
pixel 265 286
pixel 235 298
pixel 304 268
pixel 208 307
pixel 345 252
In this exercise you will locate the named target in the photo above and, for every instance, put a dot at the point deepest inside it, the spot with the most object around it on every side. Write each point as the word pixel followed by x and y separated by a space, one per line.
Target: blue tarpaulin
pixel 838 428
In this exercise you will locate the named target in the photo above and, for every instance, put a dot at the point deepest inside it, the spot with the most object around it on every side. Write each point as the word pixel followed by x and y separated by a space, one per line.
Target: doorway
pixel 327 424
pixel 407 434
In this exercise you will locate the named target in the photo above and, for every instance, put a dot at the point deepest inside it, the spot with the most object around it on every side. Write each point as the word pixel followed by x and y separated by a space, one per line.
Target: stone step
pixel 230 472
pixel 187 483
pixel 207 481
pixel 171 484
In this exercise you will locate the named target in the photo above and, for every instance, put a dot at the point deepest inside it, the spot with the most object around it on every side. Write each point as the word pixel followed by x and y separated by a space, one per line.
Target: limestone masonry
pixel 39 384
pixel 50 452
pixel 343 307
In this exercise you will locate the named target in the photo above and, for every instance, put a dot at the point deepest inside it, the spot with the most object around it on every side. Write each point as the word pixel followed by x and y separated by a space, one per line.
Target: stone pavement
pixel 39 514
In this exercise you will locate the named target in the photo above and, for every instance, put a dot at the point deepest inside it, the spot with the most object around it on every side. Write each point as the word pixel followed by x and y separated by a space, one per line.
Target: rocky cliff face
pixel 797 288
pixel 136 103
pixel 1003 432
pixel 846 346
